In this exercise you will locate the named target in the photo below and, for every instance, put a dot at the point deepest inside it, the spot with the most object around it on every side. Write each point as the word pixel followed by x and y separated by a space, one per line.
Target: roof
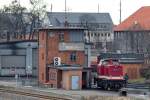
pixel 19 44
pixel 66 67
pixel 123 56
pixel 73 17
pixel 140 20
pixel 131 61
pixel 62 28
pixel 70 68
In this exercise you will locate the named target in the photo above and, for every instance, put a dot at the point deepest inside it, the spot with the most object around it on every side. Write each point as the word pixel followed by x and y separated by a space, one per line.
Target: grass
pixel 140 80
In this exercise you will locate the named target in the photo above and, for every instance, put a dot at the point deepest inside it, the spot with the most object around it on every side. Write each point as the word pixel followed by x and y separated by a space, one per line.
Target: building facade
pixel 133 34
pixel 19 58
pixel 99 27
pixel 62 57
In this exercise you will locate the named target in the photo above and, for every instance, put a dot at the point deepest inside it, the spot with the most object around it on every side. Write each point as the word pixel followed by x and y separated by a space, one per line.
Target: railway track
pixel 36 95
pixel 138 86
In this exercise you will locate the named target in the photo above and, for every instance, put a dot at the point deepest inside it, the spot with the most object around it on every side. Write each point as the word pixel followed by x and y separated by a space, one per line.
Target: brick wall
pixel 66 75
pixel 53 51
pixel 42 56
pixel 49 48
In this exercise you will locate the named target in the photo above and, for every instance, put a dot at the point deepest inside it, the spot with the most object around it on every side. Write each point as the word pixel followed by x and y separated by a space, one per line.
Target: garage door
pixel 17 61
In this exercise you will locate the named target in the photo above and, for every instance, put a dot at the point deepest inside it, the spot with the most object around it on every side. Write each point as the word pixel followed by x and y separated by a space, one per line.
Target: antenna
pixel 98 7
pixel 65 6
pixel 65 13
pixel 51 7
pixel 120 12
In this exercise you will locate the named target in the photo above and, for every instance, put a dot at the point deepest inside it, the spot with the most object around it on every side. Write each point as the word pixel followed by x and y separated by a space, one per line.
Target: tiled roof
pixel 73 17
pixel 140 20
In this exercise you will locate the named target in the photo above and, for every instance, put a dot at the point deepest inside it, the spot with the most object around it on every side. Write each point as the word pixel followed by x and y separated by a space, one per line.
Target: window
pixel 73 56
pixel 61 37
pixel 108 34
pixel 51 34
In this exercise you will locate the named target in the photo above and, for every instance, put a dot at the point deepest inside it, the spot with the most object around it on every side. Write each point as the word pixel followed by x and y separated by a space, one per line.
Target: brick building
pixel 99 27
pixel 62 57
pixel 133 34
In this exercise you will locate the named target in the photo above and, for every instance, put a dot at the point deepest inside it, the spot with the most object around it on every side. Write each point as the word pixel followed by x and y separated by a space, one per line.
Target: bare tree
pixel 15 14
pixel 38 10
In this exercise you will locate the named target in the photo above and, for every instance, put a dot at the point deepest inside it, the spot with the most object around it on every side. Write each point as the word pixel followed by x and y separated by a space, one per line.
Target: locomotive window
pixel 105 62
pixel 115 62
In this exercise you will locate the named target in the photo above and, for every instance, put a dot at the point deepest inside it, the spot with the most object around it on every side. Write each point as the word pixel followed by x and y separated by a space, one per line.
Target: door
pixel 13 64
pixel 75 82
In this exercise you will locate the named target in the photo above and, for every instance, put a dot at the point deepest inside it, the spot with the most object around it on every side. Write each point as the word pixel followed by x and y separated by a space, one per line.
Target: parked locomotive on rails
pixel 109 74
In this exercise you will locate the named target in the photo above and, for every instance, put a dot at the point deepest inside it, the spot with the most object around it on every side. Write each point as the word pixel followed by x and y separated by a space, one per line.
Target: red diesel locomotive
pixel 109 74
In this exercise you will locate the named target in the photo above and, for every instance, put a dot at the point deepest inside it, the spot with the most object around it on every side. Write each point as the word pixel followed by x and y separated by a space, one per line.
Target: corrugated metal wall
pixel 14 56
pixel 16 61
pixel 13 64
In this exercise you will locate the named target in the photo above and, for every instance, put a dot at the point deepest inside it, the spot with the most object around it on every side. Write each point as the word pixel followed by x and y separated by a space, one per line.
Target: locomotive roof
pixel 114 59
pixel 124 57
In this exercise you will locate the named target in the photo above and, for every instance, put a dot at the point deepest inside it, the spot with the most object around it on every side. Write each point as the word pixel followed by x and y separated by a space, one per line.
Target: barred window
pixel 73 56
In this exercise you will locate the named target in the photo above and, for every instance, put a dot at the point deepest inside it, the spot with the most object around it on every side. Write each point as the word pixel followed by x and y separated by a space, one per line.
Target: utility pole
pixel 120 11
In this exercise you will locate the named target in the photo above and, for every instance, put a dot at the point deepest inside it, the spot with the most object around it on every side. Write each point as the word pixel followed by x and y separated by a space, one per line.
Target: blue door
pixel 75 82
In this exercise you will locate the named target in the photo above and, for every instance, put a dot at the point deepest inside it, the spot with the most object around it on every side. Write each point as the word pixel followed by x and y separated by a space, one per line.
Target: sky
pixel 108 6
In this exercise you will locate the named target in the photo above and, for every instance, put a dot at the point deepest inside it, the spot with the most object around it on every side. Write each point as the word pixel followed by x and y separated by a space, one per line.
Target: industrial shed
pixel 19 57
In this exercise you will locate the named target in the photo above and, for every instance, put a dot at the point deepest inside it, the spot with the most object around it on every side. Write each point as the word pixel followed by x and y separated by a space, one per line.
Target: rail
pixel 134 88
pixel 138 86
pixel 37 95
